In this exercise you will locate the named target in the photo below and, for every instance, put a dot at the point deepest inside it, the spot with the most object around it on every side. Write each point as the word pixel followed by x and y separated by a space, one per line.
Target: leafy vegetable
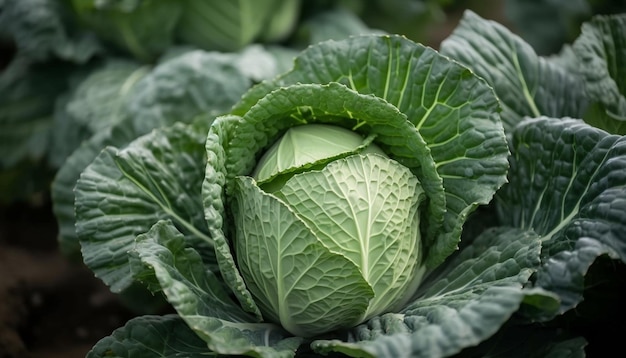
pixel 353 238
pixel 169 335
pixel 326 205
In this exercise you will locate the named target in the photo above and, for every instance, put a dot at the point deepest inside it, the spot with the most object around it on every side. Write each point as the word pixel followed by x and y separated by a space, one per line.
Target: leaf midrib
pixel 189 226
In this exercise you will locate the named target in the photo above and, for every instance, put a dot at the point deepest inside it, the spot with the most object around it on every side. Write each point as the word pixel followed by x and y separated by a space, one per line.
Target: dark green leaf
pixel 122 193
pixel 43 30
pixel 601 50
pixel 568 184
pixel 526 84
pixel 151 336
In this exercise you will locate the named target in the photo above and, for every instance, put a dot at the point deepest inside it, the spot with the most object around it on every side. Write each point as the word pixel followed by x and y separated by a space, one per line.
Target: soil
pixel 49 306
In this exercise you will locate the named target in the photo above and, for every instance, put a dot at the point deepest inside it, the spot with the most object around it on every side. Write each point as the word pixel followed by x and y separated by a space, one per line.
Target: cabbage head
pixel 322 214
pixel 342 231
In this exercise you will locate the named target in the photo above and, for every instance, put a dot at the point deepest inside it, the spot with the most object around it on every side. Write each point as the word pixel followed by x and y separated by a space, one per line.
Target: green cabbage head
pixel 325 217
pixel 330 236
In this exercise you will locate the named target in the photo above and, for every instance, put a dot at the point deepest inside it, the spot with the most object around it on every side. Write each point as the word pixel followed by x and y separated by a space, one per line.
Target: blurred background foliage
pixel 71 69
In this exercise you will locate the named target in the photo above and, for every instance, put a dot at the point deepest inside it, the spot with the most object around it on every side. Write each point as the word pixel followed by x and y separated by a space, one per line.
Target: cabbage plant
pixel 148 28
pixel 324 213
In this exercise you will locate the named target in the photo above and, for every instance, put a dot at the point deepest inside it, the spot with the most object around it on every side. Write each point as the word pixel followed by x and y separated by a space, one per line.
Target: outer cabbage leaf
pixel 122 193
pixel 601 50
pixel 568 184
pixel 200 299
pixel 526 84
pixel 177 90
pixel 454 111
pixel 296 279
pixel 464 302
pixel 93 103
pixel 214 201
pixel 196 82
pixel 159 336
pixel 62 190
pixel 98 101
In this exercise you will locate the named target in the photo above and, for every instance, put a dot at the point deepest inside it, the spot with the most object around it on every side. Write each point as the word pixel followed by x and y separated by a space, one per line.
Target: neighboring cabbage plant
pixel 323 214
pixel 565 117
pixel 147 28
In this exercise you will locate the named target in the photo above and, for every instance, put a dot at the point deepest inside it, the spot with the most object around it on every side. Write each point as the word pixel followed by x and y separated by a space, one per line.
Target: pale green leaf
pixel 296 280
pixel 369 214
pixel 365 114
pixel 303 148
pixel 234 142
pixel 214 201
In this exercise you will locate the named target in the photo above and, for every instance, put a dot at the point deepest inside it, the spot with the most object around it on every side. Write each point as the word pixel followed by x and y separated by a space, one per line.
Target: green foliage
pixel 289 256
pixel 325 204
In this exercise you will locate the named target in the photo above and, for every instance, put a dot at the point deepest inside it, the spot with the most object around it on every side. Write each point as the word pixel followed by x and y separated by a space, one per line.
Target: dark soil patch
pixel 49 306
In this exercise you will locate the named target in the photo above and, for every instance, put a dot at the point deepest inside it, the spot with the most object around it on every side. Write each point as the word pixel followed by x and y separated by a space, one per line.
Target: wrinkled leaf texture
pixel 454 111
pixel 568 184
